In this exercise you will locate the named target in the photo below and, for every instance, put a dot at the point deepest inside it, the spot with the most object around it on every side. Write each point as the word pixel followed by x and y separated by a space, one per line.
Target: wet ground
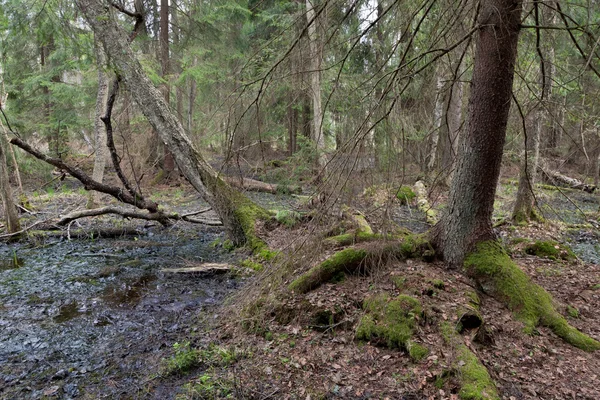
pixel 75 315
pixel 95 318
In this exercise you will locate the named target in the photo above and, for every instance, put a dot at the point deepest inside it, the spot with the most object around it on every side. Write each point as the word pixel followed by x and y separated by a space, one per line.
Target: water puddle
pixel 128 292
pixel 68 311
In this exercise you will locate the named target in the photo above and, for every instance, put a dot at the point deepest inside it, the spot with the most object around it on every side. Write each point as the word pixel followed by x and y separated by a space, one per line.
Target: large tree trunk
pixel 168 163
pixel 236 211
pixel 468 219
pixel 99 130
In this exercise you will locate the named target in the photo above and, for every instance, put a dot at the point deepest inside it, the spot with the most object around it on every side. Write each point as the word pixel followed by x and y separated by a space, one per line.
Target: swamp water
pixel 90 318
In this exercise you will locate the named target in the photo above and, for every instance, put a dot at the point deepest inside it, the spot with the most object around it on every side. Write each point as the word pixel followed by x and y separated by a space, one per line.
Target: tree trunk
pixel 524 205
pixel 523 209
pixel 168 163
pixel 468 219
pixel 10 210
pixel 315 84
pixel 236 211
pixel 437 117
pixel 99 129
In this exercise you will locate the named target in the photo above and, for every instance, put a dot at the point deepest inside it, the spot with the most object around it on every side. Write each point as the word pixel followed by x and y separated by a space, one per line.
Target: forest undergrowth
pixel 404 326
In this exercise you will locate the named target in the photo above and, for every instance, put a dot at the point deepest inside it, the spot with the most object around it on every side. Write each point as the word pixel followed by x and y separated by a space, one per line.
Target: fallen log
pixel 558 179
pixel 257 186
pixel 201 269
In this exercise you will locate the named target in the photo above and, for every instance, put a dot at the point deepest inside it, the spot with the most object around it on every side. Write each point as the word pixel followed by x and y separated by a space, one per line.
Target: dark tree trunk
pixel 468 219
pixel 236 211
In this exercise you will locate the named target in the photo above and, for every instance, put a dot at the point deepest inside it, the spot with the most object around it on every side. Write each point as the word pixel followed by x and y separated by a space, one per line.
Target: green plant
pixel 184 359
pixel 405 194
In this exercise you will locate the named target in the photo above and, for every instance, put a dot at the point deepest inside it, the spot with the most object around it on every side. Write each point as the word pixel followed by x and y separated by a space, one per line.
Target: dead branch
pixel 88 183
pixel 164 219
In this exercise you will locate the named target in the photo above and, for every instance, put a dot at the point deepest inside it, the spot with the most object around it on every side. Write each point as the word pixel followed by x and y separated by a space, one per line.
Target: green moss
pixel 347 260
pixel 228 245
pixel 247 214
pixel 405 194
pixel 347 239
pixel 499 276
pixel 288 218
pixel 475 381
pixel 596 286
pixel 267 255
pixel 573 312
pixel 550 249
pixel 248 263
pixel 392 322
pixel 438 284
pixel 398 281
pixel 416 351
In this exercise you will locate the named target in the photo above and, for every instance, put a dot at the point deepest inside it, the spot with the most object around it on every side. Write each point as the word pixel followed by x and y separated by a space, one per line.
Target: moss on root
pixel 475 381
pixel 499 276
pixel 354 260
pixel 351 238
pixel 347 260
pixel 392 322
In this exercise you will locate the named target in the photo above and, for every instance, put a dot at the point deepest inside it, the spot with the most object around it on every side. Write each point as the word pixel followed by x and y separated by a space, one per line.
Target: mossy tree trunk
pixel 236 211
pixel 470 205
pixel 10 210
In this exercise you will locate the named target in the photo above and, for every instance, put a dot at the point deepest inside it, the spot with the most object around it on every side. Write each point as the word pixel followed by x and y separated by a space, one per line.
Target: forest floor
pixel 266 342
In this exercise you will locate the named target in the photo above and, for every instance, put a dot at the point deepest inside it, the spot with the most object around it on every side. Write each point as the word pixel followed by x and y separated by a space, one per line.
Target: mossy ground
pixel 392 322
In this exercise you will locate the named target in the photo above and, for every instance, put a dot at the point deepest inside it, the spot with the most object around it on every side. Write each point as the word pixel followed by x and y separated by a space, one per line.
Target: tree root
pixel 475 381
pixel 359 260
pixel 499 276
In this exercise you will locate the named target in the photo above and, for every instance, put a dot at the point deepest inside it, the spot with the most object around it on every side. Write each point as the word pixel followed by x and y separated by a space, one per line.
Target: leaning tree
pixel 237 212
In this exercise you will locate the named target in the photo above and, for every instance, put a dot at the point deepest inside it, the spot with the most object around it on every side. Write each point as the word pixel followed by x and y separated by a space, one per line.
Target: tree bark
pixel 235 210
pixel 10 210
pixel 437 117
pixel 524 205
pixel 468 219
pixel 315 84
pixel 99 130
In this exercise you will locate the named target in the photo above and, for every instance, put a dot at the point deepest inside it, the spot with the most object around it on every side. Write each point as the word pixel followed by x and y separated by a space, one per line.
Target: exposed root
pixel 475 381
pixel 500 277
pixel 355 260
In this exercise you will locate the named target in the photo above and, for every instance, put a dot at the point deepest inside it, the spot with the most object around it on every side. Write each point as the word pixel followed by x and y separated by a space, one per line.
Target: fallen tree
pixel 558 179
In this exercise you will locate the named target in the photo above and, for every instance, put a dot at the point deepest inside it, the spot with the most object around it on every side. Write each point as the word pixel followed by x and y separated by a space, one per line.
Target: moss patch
pixel 392 323
pixel 550 249
pixel 475 381
pixel 351 238
pixel 499 276
pixel 288 218
pixel 405 194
